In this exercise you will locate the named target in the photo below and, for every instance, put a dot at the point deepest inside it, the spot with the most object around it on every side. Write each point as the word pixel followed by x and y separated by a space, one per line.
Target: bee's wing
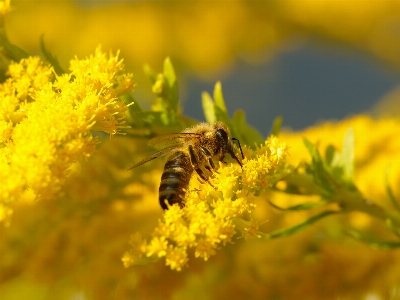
pixel 172 140
pixel 154 156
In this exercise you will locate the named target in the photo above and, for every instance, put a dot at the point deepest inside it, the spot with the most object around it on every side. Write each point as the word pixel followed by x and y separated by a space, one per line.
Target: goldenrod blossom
pixel 211 217
pixel 249 228
pixel 46 121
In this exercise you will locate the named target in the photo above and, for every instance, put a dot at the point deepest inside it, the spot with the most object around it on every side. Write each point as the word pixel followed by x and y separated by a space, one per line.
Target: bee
pixel 194 149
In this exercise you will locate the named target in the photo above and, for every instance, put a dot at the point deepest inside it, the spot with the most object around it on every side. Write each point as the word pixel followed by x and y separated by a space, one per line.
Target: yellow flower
pixel 46 125
pixel 259 171
pixel 210 215
pixel 204 249
pixel 157 246
pixel 249 228
pixel 176 258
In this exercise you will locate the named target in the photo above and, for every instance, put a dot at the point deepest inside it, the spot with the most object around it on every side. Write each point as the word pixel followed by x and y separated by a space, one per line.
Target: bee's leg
pixel 210 167
pixel 203 177
pixel 195 164
pixel 200 180
pixel 208 155
pixel 193 158
pixel 201 174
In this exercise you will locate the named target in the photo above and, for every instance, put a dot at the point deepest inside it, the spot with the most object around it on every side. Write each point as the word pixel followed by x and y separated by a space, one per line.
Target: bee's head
pixel 226 142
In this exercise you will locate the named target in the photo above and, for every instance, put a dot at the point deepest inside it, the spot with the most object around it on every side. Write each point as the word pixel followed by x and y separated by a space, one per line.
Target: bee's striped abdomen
pixel 175 179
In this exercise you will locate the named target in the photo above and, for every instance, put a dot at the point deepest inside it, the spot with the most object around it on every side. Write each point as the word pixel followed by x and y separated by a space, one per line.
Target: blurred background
pixel 305 60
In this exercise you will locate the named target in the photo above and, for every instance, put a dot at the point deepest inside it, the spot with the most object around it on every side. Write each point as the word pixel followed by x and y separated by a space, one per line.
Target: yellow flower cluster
pixel 46 121
pixel 211 215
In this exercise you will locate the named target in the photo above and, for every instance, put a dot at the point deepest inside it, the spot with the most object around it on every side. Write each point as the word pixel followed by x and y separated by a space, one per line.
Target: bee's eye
pixel 223 135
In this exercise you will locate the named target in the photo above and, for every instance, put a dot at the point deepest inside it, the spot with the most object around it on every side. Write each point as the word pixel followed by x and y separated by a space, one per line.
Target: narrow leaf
pixel 208 107
pixel 219 97
pixel 9 50
pixel 50 58
pixel 313 151
pixel 375 243
pixel 389 191
pixel 299 227
pixel 318 172
pixel 276 126
pixel 131 102
pixel 150 73
pixel 169 74
pixel 392 227
pixel 330 153
pixel 303 206
pixel 246 133
pixel 348 155
pixel 222 116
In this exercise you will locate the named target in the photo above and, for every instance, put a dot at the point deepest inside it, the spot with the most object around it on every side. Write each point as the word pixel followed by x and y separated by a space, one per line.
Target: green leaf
pixel 9 50
pixel 222 116
pixel 220 111
pixel 169 74
pixel 133 104
pixel 247 134
pixel 215 110
pixel 147 117
pixel 299 227
pixel 156 119
pixel 318 170
pixel 134 110
pixel 3 68
pixel 347 156
pixel 313 152
pixel 303 206
pixel 330 153
pixel 150 73
pixel 160 87
pixel 276 126
pixel 208 107
pixel 392 227
pixel 50 58
pixel 389 191
pixel 340 165
pixel 375 243
pixel 219 98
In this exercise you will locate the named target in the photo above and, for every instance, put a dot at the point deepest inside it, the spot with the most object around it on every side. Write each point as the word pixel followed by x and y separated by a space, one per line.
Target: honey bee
pixel 191 150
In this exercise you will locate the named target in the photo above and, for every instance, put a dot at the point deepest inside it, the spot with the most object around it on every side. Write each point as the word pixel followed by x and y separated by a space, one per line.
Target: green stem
pixel 354 201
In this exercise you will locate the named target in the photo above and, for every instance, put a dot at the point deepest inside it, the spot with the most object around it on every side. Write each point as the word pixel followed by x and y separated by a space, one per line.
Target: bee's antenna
pixel 235 139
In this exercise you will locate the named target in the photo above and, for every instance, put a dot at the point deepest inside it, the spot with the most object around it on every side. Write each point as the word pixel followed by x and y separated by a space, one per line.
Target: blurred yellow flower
pixel 70 246
pixel 376 149
pixel 5 8
pixel 206 37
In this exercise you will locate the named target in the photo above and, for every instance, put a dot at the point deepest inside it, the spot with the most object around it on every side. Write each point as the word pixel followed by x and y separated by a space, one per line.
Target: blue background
pixel 313 83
